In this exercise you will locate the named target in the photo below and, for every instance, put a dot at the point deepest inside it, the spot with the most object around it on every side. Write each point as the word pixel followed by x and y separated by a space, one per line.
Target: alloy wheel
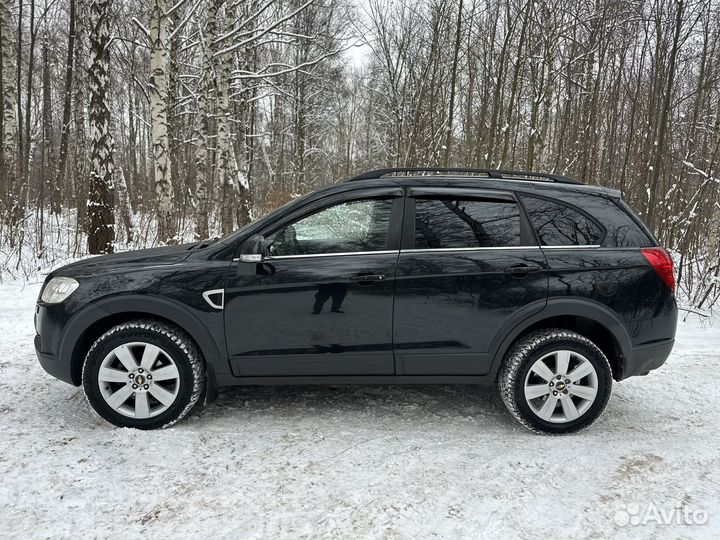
pixel 561 386
pixel 139 380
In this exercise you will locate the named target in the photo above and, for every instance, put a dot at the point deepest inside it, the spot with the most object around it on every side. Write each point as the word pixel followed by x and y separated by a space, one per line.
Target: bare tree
pixel 59 181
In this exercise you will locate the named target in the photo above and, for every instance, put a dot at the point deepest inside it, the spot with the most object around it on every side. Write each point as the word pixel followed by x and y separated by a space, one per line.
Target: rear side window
pixel 466 223
pixel 557 224
pixel 622 230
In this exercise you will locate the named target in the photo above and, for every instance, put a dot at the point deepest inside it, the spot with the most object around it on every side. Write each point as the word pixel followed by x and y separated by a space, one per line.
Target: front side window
pixel 466 223
pixel 561 225
pixel 344 228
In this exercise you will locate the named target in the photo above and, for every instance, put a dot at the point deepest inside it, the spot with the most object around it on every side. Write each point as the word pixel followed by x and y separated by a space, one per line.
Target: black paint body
pixel 445 315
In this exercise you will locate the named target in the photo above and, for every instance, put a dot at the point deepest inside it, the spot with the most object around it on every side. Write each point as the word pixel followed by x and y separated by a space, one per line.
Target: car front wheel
pixel 555 381
pixel 143 374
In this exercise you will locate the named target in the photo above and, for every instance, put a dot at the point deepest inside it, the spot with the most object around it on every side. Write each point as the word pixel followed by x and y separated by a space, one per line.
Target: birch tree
pixel 226 163
pixel 9 109
pixel 59 180
pixel 166 230
pixel 101 217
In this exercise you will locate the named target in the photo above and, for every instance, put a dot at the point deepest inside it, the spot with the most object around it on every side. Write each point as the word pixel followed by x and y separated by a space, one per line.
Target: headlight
pixel 58 289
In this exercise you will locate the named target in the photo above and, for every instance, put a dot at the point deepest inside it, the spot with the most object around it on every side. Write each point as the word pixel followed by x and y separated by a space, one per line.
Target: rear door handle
pixel 521 269
pixel 368 277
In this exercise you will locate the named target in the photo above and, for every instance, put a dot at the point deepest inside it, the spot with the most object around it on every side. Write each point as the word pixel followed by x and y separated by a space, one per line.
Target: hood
pixel 141 257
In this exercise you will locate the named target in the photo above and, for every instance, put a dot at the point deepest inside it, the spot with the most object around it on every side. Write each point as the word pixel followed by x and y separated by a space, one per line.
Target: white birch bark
pixel 158 92
pixel 9 107
pixel 124 203
pixel 226 162
pixel 101 226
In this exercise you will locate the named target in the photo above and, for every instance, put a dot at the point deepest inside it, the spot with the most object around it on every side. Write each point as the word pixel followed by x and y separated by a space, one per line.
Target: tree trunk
pixel 659 153
pixel 101 229
pixel 453 83
pixel 166 231
pixel 202 129
pixel 8 169
pixel 124 204
pixel 48 142
pixel 25 159
pixel 227 165
pixel 80 158
pixel 67 111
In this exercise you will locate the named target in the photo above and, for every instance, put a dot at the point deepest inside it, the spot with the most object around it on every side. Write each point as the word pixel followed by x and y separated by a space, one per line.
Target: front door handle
pixel 520 270
pixel 367 278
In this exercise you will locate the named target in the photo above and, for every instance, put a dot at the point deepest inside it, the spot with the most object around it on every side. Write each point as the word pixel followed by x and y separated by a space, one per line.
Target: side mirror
pixel 253 250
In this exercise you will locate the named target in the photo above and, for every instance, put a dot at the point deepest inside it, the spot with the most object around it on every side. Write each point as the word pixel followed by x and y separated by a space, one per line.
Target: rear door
pixel 468 263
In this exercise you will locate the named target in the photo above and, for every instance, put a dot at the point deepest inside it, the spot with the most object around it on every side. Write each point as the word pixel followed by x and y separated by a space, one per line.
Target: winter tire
pixel 555 381
pixel 143 374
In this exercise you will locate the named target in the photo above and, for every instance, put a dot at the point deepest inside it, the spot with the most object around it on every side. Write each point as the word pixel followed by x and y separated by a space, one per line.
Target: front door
pixel 468 263
pixel 321 303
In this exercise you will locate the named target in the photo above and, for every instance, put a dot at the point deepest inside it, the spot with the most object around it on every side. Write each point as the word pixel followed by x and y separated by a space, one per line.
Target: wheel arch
pixel 590 319
pixel 90 323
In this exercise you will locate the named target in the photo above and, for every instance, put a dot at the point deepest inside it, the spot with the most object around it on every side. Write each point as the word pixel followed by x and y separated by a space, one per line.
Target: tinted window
pixel 343 228
pixel 622 230
pixel 560 225
pixel 453 223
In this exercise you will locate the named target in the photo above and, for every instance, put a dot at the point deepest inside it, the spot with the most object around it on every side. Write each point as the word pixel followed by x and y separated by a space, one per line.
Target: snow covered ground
pixel 351 462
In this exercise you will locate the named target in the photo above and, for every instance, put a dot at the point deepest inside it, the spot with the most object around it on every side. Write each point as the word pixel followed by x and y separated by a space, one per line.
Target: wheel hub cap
pixel 139 380
pixel 561 386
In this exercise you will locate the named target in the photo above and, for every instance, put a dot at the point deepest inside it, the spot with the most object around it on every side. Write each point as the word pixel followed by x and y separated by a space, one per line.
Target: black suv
pixel 548 287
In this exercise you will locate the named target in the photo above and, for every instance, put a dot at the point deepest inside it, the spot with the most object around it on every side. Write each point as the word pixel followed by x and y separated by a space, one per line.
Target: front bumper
pixel 645 358
pixel 49 329
pixel 55 367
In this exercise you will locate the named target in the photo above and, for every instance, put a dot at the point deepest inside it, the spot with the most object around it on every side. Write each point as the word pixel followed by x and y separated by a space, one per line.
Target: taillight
pixel 660 260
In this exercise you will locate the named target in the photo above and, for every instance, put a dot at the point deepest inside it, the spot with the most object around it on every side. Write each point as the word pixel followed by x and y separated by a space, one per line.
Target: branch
pixel 270 28
pixel 182 23
pixel 142 28
pixel 243 74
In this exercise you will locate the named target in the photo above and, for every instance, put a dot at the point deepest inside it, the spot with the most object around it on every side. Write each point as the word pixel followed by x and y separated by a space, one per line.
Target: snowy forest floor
pixel 351 462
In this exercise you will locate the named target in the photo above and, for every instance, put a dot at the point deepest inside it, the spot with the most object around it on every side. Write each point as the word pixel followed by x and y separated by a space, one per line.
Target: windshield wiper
pixel 204 243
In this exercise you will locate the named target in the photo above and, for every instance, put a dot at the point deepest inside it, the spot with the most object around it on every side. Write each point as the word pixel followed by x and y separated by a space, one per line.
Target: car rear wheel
pixel 555 381
pixel 143 374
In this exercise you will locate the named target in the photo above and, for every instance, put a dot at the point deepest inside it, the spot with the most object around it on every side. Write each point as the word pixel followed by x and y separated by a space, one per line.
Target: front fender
pixel 135 305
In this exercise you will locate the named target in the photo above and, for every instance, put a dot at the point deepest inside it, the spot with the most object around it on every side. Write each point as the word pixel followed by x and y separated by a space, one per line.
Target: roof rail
pixel 489 173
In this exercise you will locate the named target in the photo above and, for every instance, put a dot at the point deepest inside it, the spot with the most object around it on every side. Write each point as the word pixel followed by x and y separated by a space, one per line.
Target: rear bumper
pixel 645 358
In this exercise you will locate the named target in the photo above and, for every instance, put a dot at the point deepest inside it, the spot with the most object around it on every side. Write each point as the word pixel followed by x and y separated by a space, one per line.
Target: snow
pixel 350 462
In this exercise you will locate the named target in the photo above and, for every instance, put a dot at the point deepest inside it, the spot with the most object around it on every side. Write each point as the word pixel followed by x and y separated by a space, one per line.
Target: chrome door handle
pixel 522 269
pixel 368 277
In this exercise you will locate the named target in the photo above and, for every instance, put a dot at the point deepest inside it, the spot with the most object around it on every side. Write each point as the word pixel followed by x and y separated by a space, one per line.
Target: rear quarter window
pixel 622 230
pixel 558 224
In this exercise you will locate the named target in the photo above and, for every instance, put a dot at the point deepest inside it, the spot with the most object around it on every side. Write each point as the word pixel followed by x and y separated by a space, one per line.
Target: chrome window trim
pixel 433 250
pixel 381 252
pixel 581 246
pixel 423 250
